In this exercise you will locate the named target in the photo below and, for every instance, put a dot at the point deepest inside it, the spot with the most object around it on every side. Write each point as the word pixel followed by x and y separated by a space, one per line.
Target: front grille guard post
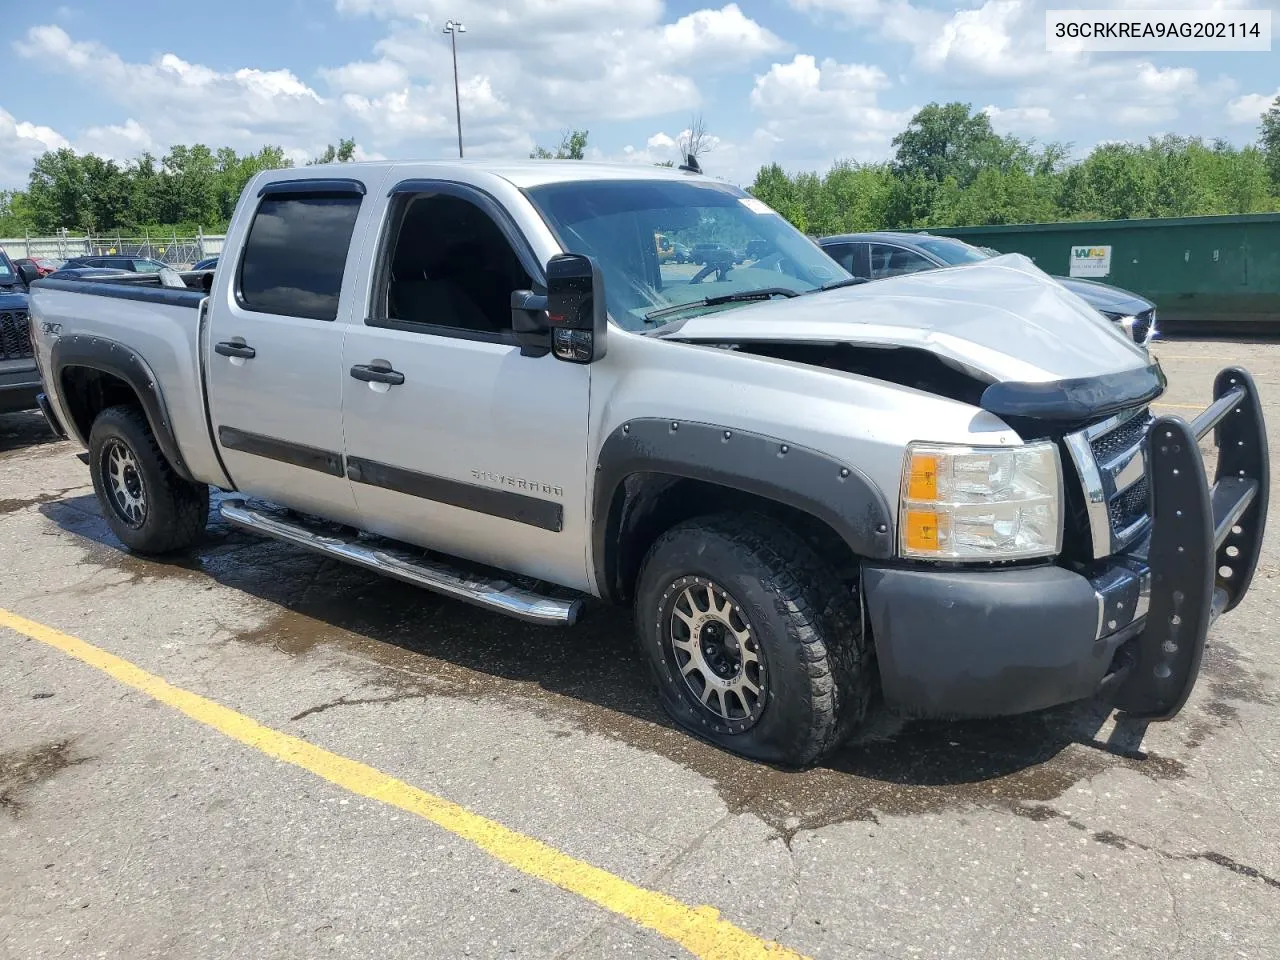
pixel 1241 439
pixel 1192 527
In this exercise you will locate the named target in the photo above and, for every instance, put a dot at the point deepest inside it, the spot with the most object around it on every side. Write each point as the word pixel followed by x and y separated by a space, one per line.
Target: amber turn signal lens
pixel 921 530
pixel 923 484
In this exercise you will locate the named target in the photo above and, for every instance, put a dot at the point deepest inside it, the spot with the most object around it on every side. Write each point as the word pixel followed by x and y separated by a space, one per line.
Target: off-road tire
pixel 805 622
pixel 176 510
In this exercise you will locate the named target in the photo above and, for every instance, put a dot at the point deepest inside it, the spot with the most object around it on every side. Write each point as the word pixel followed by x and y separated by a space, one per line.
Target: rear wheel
pixel 752 639
pixel 148 506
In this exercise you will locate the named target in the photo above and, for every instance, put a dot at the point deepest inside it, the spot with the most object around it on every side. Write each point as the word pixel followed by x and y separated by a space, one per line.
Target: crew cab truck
pixel 482 378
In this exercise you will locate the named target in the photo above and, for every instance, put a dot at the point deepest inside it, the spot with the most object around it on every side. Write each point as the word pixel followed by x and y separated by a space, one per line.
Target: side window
pixel 449 265
pixel 841 253
pixel 146 266
pixel 889 261
pixel 295 254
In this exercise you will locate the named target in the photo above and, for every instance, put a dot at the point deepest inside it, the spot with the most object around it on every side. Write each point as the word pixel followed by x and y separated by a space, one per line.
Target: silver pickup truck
pixel 495 381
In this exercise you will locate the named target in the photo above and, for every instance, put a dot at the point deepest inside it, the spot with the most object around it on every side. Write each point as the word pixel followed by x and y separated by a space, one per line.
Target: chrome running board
pixel 404 563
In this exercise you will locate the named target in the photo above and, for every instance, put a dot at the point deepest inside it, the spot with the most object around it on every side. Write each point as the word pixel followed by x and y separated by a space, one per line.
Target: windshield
pixel 953 251
pixel 665 243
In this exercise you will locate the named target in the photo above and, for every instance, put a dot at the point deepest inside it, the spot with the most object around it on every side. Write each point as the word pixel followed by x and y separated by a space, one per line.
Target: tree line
pixel 189 188
pixel 949 168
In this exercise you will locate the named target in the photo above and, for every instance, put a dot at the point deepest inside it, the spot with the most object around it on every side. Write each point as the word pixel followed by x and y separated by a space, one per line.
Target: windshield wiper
pixel 744 297
pixel 837 284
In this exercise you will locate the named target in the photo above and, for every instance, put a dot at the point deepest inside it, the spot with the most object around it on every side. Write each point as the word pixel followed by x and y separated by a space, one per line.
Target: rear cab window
pixel 296 252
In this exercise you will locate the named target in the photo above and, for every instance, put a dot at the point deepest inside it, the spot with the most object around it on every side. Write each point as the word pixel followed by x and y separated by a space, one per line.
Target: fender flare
pixel 836 493
pixel 108 356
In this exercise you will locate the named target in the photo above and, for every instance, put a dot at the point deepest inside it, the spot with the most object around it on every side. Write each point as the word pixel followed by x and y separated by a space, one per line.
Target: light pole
pixel 453 28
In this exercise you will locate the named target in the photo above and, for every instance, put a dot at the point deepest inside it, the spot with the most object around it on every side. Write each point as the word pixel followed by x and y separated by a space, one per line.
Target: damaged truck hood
pixel 1043 351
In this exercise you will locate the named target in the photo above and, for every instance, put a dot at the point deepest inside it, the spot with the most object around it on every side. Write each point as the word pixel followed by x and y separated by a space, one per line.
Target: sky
pixel 799 82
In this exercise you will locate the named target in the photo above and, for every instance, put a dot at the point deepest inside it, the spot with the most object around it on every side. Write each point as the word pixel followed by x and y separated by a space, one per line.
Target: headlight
pixel 980 503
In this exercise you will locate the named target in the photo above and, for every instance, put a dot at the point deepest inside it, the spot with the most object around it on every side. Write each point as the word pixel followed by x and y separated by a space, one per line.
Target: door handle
pixel 379 371
pixel 235 347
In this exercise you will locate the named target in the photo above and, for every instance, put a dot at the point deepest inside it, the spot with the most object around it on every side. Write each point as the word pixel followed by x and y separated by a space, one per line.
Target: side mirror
pixel 576 308
pixel 529 321
pixel 28 273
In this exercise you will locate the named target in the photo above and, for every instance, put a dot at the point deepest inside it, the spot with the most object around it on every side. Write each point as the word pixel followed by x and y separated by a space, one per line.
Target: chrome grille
pixel 1111 460
pixel 1119 439
pixel 15 335
pixel 1130 507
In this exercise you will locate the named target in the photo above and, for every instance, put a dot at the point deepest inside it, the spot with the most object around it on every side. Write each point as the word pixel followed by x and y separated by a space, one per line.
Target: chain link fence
pixel 179 252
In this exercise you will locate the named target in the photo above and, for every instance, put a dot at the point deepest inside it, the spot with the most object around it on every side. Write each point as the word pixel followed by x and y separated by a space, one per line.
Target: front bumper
pixel 962 642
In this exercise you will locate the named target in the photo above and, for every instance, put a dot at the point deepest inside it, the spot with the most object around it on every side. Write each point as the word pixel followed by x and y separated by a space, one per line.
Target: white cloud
pixel 527 69
pixel 1000 39
pixel 364 77
pixel 21 141
pixel 718 35
pixel 514 19
pixel 991 40
pixel 182 101
pixel 118 141
pixel 1125 95
pixel 815 112
pixel 615 60
pixel 1249 108
pixel 1022 121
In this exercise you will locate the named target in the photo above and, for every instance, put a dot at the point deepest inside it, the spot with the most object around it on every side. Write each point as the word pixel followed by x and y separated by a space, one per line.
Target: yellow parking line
pixel 698 929
pixel 1180 406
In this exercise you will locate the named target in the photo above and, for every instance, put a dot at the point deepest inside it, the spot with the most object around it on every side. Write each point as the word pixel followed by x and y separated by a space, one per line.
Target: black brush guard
pixel 1205 541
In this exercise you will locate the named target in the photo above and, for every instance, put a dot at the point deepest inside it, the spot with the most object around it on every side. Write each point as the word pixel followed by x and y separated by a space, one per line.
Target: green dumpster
pixel 1199 271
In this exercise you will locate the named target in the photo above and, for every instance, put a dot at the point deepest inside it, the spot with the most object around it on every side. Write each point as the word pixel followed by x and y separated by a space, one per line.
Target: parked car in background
pixel 208 263
pixel 713 253
pixel 874 256
pixel 682 253
pixel 43 265
pixel 132 264
pixel 19 378
pixel 88 273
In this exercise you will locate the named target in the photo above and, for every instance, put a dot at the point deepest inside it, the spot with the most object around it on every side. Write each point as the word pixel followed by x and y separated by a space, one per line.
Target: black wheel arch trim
pixel 834 492
pixel 108 356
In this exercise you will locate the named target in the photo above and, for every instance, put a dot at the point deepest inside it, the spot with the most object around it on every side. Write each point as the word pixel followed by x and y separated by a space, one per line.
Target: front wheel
pixel 752 639
pixel 148 506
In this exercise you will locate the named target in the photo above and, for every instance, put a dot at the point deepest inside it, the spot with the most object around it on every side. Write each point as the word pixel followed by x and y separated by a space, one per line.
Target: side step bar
pixel 407 565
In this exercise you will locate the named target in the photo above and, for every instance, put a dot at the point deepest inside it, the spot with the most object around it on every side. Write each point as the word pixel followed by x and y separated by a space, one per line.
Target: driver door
pixel 454 440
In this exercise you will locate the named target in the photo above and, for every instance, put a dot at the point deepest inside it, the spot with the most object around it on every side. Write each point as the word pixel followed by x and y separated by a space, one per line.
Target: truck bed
pixel 160 325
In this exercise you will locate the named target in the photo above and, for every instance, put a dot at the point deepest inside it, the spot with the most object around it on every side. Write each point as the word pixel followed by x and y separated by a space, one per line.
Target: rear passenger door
pixel 274 347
